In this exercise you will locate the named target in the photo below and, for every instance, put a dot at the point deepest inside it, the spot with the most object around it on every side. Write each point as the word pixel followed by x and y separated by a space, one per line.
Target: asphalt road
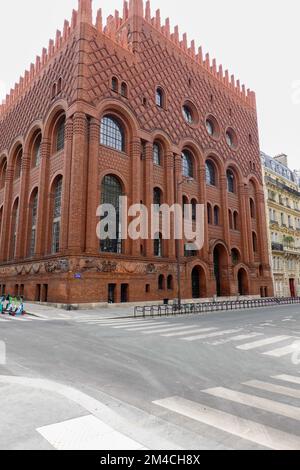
pixel 221 381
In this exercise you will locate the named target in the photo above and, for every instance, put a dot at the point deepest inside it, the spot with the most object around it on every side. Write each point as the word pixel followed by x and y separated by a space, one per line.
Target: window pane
pixel 112 134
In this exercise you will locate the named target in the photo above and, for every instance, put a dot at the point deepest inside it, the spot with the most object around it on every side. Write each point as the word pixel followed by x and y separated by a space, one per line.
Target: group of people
pixel 14 306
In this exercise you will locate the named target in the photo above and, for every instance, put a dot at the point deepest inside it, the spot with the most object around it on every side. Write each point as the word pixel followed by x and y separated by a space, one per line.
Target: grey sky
pixel 258 41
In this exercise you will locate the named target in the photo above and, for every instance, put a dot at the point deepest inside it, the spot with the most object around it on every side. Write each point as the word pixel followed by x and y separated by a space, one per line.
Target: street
pixel 218 381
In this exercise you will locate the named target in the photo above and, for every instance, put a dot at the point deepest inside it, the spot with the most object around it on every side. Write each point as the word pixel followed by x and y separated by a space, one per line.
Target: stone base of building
pixel 103 280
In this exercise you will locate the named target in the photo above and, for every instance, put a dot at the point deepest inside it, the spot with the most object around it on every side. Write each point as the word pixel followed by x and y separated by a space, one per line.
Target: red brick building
pixel 128 108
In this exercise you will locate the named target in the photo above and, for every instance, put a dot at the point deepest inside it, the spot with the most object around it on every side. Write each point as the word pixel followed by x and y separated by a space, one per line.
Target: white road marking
pixel 183 333
pixel 280 390
pixel 151 327
pixel 253 401
pixel 129 323
pixel 262 342
pixel 243 428
pixel 236 338
pixel 288 378
pixel 211 335
pixel 86 433
pixel 280 352
pixel 173 328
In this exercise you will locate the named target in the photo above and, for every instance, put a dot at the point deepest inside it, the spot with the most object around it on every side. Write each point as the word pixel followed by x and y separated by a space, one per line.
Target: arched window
pixel 36 157
pixel 56 215
pixel 157 198
pixel 187 164
pixel 254 242
pixel 161 282
pixel 194 209
pixel 230 218
pixel 170 285
pixel 158 252
pixel 14 228
pixel 216 215
pixel 230 181
pixel 124 90
pixel 18 164
pixel 209 214
pixel 112 133
pixel 210 173
pixel 60 134
pixel 235 256
pixel 252 208
pixel 157 153
pixel 235 220
pixel 159 98
pixel 111 191
pixel 114 84
pixel 33 220
pixel 59 85
pixel 3 171
pixel 1 218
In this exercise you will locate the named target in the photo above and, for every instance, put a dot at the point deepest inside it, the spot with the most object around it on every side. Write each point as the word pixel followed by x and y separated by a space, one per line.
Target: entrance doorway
pixel 124 293
pixel 243 285
pixel 111 293
pixel 221 265
pixel 292 288
pixel 198 283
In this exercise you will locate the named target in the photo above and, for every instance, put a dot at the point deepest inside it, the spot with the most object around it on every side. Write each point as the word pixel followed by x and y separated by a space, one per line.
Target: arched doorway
pixel 220 264
pixel 198 283
pixel 243 284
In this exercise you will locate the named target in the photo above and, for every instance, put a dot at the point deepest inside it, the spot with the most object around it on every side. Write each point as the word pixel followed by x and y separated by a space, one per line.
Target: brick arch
pixel 35 128
pixel 117 175
pixel 19 142
pixel 195 149
pixel 59 107
pixel 218 162
pixel 242 277
pixel 123 112
pixel 164 141
pixel 214 243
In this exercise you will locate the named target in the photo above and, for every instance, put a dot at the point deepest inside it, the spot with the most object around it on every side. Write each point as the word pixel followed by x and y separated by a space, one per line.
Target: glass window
pixel 187 164
pixel 37 151
pixel 60 134
pixel 111 191
pixel 209 127
pixel 158 245
pixel 210 173
pixel 187 114
pixel 56 216
pixel 112 134
pixel 230 181
pixel 157 153
pixel 159 98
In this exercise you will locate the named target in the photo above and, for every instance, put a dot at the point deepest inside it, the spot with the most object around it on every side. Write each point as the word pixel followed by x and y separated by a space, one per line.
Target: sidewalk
pixel 53 313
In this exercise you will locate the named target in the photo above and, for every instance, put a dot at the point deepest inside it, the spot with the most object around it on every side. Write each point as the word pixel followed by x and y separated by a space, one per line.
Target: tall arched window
pixel 114 84
pixel 60 134
pixel 159 98
pixel 194 209
pixel 36 154
pixel 161 282
pixel 254 242
pixel 18 163
pixel 209 214
pixel 210 173
pixel 124 90
pixel 56 215
pixel 157 153
pixel 158 252
pixel 112 133
pixel 187 164
pixel 33 219
pixel 170 283
pixel 230 219
pixel 216 215
pixel 157 198
pixel 230 181
pixel 235 220
pixel 14 228
pixel 252 208
pixel 111 191
pixel 3 170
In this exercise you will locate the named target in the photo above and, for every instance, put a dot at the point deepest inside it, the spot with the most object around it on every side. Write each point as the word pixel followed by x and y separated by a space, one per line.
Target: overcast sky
pixel 258 41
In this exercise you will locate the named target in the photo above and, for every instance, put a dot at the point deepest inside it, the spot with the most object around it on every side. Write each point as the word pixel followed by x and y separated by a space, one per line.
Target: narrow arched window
pixel 33 219
pixel 187 164
pixel 236 220
pixel 230 218
pixel 158 252
pixel 216 215
pixel 210 173
pixel 161 282
pixel 254 242
pixel 157 153
pixel 60 134
pixel 170 283
pixel 252 208
pixel 18 164
pixel 111 192
pixel 114 84
pixel 209 214
pixel 36 157
pixel 157 198
pixel 124 90
pixel 112 133
pixel 159 98
pixel 194 209
pixel 3 171
pixel 56 215
pixel 230 181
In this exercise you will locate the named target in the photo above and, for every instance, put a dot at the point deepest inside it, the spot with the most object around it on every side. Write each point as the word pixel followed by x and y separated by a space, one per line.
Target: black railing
pixel 277 246
pixel 208 307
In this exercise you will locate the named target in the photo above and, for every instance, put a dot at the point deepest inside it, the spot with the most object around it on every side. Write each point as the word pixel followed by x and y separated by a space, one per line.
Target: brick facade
pixel 73 80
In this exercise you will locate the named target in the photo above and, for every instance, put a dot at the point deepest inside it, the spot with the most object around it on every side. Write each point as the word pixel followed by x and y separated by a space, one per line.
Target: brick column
pixel 203 200
pixel 244 216
pixel 262 229
pixel 92 242
pixel 67 188
pixel 5 240
pixel 149 184
pixel 224 209
pixel 43 199
pixel 178 193
pixel 22 229
pixel 77 209
pixel 135 156
pixel 170 199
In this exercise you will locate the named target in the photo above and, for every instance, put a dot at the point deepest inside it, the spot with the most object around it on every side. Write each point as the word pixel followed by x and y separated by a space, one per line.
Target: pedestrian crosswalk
pixel 209 411
pixel 23 319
